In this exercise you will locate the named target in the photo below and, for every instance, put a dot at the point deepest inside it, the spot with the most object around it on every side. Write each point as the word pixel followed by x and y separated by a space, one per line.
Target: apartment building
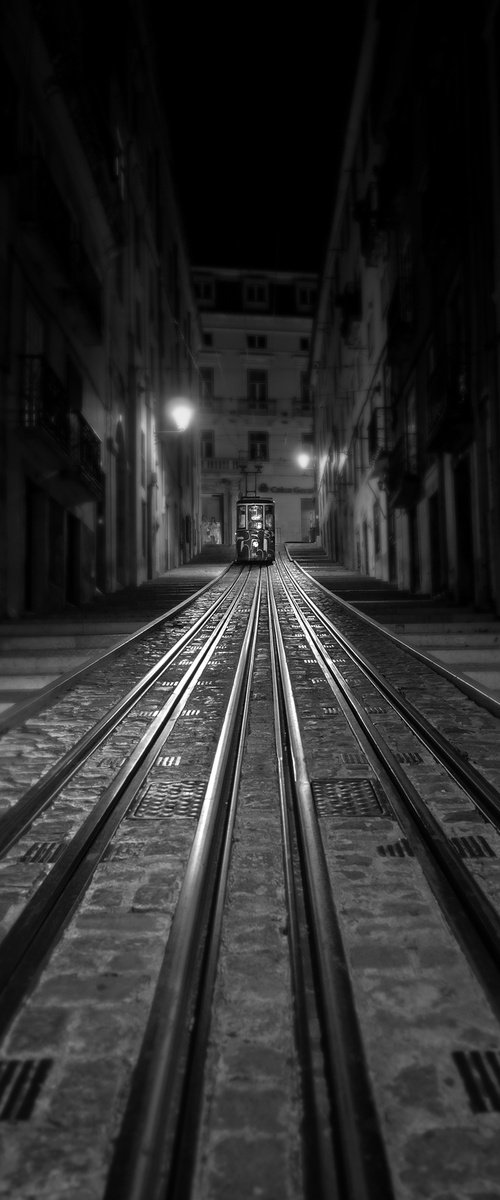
pixel 404 357
pixel 256 421
pixel 98 321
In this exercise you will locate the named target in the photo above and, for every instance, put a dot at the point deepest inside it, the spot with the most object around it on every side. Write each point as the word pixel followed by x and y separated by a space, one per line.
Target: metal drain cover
pixel 162 800
pixel 349 797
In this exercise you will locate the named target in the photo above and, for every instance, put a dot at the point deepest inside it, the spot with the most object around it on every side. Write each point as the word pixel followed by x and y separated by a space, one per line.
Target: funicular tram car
pixel 255 530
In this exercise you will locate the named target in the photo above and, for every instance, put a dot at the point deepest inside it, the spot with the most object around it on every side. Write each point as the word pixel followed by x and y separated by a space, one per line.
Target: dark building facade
pixel 405 356
pixel 98 322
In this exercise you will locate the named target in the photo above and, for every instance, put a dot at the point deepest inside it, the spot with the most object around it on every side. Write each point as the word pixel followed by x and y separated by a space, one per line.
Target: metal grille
pixel 353 758
pixel 409 757
pixel 480 1075
pixel 349 797
pixel 20 1084
pixel 43 852
pixel 401 849
pixel 163 800
pixel 472 847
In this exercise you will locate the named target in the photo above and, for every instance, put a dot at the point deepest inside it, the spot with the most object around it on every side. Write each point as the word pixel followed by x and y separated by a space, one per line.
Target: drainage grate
pixel 330 710
pixel 43 852
pixel 480 1074
pixel 409 757
pixel 161 800
pixel 401 849
pixel 352 758
pixel 169 683
pixel 349 797
pixel 190 712
pixel 472 847
pixel 20 1084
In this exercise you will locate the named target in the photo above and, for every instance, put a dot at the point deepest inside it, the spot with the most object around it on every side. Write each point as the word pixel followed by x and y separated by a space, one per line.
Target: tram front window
pixel 255 516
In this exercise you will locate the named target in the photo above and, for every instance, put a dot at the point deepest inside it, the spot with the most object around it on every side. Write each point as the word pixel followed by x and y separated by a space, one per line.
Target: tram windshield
pixel 255 516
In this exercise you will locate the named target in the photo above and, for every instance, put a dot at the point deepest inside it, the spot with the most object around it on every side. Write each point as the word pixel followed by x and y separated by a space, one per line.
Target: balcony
pixel 61 443
pixel 215 466
pixel 46 220
pixel 450 421
pixel 402 481
pixel 350 306
pixel 85 452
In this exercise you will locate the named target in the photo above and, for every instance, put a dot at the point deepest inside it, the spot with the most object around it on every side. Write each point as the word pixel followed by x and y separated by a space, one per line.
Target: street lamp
pixel 304 460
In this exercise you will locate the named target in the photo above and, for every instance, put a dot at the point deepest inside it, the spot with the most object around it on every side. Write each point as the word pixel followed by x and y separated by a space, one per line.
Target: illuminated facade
pixel 255 407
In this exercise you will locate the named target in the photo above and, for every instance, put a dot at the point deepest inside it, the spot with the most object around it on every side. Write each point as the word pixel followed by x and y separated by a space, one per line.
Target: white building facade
pixel 255 409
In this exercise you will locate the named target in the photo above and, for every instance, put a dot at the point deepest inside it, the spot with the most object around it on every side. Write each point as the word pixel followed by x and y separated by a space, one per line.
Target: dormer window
pixel 256 293
pixel 305 295
pixel 204 290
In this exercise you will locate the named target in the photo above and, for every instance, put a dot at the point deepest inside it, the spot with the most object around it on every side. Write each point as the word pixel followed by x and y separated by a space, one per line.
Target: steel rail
pixel 15 822
pixel 148 1140
pixel 485 796
pixel 364 1170
pixel 34 933
pixel 27 708
pixel 477 914
pixel 320 1169
pixel 469 689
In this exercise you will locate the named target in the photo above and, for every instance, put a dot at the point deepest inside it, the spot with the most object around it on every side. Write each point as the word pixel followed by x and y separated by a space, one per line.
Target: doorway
pixel 211 520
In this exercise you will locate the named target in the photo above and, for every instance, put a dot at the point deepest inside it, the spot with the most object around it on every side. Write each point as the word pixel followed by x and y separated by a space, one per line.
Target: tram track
pixel 477 913
pixel 268 751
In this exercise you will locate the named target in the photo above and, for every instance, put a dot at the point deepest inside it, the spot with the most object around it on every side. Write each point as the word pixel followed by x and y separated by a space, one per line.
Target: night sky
pixel 256 107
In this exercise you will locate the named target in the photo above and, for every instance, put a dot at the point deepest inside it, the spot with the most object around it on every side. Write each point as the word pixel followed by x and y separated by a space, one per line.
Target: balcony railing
pixel 86 453
pixel 45 412
pixel 220 464
pixel 44 400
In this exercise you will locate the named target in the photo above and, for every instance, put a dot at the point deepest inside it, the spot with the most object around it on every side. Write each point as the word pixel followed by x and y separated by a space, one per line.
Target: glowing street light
pixel 303 460
pixel 182 414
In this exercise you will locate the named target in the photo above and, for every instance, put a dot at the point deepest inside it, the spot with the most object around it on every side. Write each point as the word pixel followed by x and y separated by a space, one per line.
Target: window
pixel 206 383
pixel 208 444
pixel 257 389
pixel 208 339
pixel 305 296
pixel 256 341
pixel 305 343
pixel 204 289
pixel 258 446
pixel 256 293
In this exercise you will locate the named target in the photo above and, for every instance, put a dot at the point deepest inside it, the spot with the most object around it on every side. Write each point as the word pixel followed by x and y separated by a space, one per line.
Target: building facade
pixel 255 409
pixel 98 321
pixel 404 360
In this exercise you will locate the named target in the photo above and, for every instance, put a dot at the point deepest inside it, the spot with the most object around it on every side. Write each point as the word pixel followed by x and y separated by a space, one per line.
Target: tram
pixel 255 530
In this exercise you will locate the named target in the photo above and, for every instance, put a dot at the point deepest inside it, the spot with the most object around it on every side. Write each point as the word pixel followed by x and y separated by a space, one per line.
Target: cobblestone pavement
pixel 430 1031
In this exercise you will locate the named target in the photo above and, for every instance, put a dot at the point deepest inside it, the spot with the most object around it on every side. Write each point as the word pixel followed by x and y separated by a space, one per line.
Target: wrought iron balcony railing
pixel 45 411
pixel 44 400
